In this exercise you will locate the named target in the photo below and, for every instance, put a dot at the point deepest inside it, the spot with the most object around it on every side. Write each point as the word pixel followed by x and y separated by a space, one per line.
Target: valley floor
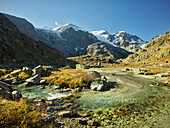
pixel 139 98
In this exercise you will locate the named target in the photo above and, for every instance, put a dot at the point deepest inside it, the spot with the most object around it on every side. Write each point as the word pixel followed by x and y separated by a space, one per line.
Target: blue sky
pixel 145 18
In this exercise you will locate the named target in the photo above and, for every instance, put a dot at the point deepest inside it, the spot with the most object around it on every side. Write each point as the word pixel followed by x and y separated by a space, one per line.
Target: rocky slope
pixel 17 49
pixel 121 39
pixel 104 50
pixel 158 49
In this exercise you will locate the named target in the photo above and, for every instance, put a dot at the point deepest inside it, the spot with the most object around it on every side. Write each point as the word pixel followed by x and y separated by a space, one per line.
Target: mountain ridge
pixel 18 49
pixel 72 40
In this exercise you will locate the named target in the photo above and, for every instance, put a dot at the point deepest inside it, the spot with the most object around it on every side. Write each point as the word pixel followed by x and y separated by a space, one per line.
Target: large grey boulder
pixel 98 85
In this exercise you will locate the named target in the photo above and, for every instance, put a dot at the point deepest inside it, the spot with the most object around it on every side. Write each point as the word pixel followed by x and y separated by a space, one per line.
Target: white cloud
pixel 56 23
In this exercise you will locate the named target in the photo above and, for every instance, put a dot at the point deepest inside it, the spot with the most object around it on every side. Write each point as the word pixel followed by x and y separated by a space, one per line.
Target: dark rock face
pixel 18 50
pixel 7 92
pixel 79 40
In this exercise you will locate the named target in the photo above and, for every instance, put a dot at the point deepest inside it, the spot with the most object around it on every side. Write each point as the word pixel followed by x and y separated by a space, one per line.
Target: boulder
pixel 101 85
pixel 42 81
pixel 84 114
pixel 15 72
pixel 162 74
pixel 16 95
pixel 148 73
pixel 90 122
pixel 82 121
pixel 7 92
pixel 95 73
pixel 76 90
pixel 27 70
pixel 81 66
pixel 37 70
pixel 34 80
pixel 67 114
pixel 16 81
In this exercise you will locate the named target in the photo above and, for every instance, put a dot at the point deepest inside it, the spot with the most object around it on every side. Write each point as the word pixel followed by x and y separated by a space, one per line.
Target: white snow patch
pixel 64 27
pixel 102 35
pixel 76 49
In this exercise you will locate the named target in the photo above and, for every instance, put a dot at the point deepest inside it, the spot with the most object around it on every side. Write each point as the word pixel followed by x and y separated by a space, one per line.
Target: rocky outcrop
pixel 7 92
pixel 105 51
pixel 18 50
pixel 101 84
pixel 156 49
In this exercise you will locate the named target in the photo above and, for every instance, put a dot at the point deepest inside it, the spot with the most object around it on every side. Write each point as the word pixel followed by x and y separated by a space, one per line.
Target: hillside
pixel 156 50
pixel 17 49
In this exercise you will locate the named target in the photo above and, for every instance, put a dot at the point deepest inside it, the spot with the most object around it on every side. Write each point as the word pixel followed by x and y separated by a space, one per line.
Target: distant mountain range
pixel 72 40
pixel 121 39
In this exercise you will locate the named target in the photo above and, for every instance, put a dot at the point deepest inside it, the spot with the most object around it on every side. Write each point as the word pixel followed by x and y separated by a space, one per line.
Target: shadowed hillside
pixel 17 49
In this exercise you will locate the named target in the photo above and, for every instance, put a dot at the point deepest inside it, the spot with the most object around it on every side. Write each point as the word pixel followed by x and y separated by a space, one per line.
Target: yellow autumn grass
pixel 19 114
pixel 69 78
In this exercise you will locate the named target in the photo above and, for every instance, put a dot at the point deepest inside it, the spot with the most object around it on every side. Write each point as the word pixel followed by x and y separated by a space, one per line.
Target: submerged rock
pixel 67 114
pixel 84 114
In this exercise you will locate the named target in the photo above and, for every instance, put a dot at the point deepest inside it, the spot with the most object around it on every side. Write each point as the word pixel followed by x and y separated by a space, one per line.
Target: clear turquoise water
pixel 34 92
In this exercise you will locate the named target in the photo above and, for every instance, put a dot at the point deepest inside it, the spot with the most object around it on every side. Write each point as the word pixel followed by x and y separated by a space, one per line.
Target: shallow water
pixel 130 89
pixel 34 92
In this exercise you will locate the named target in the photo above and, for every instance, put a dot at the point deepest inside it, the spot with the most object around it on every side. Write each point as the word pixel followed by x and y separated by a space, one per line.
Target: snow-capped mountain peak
pixel 121 39
pixel 64 27
pixel 100 32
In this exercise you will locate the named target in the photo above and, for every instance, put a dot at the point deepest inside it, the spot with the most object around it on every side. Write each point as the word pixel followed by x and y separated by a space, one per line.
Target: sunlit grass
pixel 69 78
pixel 19 114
